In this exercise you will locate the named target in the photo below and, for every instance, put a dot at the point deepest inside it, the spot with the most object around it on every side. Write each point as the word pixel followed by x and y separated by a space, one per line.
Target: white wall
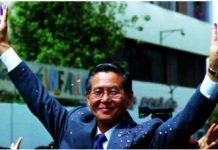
pixel 197 33
pixel 16 120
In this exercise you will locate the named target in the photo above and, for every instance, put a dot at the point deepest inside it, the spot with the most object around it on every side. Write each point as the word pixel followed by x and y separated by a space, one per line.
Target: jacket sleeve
pixel 45 107
pixel 176 132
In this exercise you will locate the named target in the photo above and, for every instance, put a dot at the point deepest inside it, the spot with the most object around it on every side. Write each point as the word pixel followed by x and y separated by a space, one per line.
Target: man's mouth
pixel 106 108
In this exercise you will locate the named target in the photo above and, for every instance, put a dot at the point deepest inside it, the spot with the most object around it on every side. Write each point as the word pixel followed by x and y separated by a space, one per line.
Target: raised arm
pixel 179 128
pixel 45 107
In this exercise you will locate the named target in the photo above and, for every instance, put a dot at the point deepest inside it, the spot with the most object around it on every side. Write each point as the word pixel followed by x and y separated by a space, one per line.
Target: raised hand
pixel 209 140
pixel 3 29
pixel 16 146
pixel 213 58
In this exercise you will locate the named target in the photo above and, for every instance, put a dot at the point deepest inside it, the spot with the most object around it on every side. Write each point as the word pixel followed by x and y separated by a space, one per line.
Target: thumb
pixel 211 145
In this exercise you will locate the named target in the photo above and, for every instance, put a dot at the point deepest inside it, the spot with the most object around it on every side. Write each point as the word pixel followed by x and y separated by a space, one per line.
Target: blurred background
pixel 163 44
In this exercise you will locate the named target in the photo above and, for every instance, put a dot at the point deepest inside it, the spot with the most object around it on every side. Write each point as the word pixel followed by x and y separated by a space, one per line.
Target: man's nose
pixel 105 97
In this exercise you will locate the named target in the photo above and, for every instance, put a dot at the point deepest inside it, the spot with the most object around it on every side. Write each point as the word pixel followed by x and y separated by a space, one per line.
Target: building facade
pixel 174 43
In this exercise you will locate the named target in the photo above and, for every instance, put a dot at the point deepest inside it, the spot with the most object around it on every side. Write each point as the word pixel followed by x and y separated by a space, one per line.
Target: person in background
pixel 106 123
pixel 209 140
pixel 16 146
pixel 49 146
pixel 13 146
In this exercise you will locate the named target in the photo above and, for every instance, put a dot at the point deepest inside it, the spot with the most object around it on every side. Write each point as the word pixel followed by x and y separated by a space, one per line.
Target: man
pixel 109 92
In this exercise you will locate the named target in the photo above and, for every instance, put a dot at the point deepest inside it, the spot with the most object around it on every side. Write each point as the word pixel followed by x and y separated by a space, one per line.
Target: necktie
pixel 101 139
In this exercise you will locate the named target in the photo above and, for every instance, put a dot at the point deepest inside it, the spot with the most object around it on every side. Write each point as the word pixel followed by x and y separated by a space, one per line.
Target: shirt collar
pixel 108 133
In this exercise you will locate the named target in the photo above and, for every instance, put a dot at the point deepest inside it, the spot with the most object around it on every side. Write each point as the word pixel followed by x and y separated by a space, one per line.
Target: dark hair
pixel 109 67
pixel 51 145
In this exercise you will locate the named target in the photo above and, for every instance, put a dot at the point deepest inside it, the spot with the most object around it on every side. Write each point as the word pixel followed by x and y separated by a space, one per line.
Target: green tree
pixel 213 117
pixel 73 34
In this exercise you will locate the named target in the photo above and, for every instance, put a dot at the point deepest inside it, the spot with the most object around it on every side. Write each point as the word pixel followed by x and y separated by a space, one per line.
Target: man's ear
pixel 130 98
pixel 87 99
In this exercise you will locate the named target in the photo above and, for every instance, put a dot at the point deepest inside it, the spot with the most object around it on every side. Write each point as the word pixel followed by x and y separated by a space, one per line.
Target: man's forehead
pixel 109 87
pixel 106 78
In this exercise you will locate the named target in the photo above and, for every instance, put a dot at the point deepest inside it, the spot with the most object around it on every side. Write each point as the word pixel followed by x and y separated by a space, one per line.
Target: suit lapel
pixel 130 135
pixel 122 136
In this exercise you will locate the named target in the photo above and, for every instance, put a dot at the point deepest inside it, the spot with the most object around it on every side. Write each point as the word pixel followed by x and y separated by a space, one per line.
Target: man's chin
pixel 110 123
pixel 108 119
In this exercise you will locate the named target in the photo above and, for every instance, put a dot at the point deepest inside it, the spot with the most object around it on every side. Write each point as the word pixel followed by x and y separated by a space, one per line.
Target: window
pixel 153 63
pixel 197 9
pixel 165 4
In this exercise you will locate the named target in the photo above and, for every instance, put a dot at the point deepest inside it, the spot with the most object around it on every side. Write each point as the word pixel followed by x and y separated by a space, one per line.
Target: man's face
pixel 107 99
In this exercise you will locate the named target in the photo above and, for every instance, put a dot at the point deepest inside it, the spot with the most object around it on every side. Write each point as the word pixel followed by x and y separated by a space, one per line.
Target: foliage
pixel 7 97
pixel 73 34
pixel 213 117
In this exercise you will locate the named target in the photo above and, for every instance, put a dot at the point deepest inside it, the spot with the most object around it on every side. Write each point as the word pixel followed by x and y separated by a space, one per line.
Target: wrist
pixel 3 47
pixel 213 74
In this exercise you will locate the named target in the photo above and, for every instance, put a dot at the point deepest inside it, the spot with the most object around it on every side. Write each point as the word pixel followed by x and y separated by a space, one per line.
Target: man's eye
pixel 97 92
pixel 114 92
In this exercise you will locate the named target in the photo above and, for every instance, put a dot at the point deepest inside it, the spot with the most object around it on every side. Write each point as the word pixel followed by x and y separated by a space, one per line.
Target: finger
pixel 211 145
pixel 12 146
pixel 1 11
pixel 5 14
pixel 214 33
pixel 209 134
pixel 216 129
pixel 209 131
pixel 215 132
pixel 17 145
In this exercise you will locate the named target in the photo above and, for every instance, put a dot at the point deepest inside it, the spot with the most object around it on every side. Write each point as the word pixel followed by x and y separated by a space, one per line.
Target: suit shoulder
pixel 81 114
